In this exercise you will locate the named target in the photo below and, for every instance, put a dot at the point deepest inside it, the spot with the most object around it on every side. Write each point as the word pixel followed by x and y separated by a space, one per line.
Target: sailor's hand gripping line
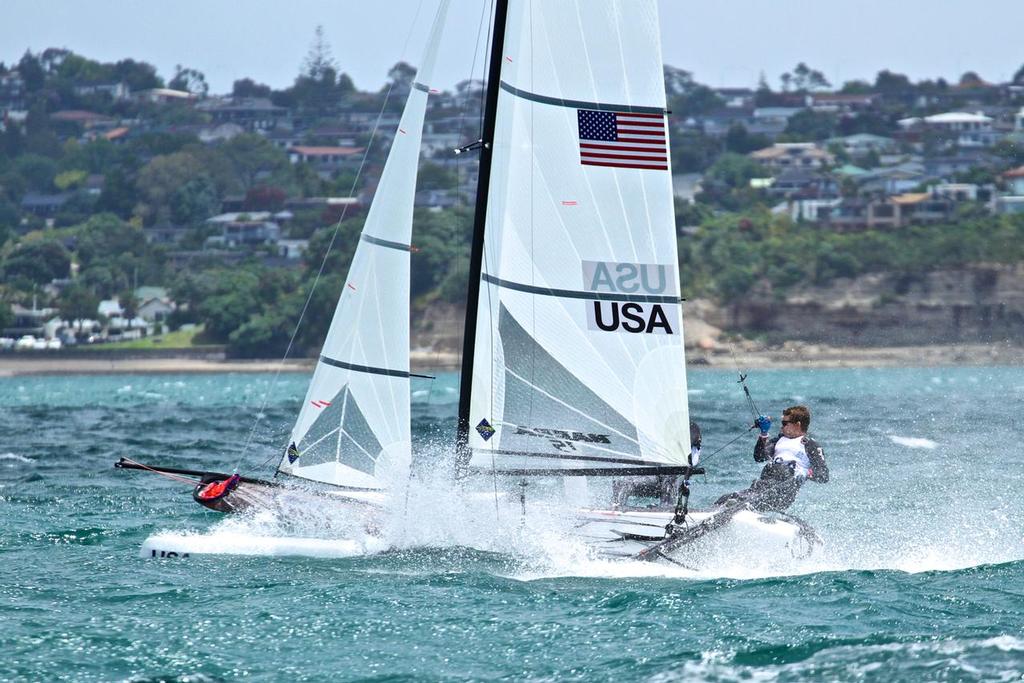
pixel 678 532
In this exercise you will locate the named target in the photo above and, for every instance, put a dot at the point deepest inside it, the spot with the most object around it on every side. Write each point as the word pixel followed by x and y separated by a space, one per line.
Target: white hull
pixel 624 534
pixel 167 545
pixel 611 533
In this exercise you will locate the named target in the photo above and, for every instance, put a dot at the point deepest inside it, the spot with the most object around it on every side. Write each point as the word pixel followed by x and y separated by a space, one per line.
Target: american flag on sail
pixel 623 139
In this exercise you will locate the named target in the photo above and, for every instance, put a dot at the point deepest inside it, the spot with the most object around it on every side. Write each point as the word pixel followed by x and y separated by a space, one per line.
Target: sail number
pixel 628 278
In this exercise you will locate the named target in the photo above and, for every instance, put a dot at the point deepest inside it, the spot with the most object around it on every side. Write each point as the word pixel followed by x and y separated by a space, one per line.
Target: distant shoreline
pixel 797 355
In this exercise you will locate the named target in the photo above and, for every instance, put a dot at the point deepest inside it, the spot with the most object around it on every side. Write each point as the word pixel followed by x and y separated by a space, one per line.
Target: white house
pixel 1015 179
pixel 969 130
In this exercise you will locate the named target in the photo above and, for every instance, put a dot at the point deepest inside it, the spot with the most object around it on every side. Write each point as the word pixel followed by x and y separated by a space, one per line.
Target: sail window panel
pixel 590 50
pixel 340 432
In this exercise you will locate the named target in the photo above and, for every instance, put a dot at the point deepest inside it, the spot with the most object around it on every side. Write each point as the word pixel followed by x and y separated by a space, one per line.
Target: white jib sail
pixel 354 427
pixel 579 361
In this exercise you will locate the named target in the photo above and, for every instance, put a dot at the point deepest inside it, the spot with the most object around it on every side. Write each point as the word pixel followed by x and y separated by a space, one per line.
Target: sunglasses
pixel 790 422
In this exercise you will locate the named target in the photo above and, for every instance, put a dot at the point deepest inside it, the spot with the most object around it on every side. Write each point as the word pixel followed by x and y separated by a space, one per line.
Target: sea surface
pixel 921 577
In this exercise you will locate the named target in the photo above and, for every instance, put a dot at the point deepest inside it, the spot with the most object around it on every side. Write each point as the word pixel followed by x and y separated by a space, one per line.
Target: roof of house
pixel 167 92
pixel 850 170
pixel 957 117
pixel 116 133
pixel 314 151
pixel 236 216
pixel 78 116
pixel 842 97
pixel 1015 173
pixel 910 198
pixel 801 149
pixel 35 199
pixel 147 293
pixel 865 137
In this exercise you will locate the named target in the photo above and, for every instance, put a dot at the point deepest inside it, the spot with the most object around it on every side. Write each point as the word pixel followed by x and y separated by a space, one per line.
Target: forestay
pixel 578 357
pixel 354 426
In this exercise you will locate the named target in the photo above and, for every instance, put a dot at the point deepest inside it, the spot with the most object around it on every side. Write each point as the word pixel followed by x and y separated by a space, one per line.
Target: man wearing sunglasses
pixel 792 457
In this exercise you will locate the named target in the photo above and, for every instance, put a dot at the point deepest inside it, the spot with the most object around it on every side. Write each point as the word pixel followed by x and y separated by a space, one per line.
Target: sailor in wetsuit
pixel 792 456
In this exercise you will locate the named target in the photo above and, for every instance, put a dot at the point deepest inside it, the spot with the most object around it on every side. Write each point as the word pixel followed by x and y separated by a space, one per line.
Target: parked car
pixel 53 344
pixel 26 342
pixel 6 343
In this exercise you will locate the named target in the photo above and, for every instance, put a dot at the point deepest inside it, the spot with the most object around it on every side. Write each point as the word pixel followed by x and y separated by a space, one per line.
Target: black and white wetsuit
pixel 790 463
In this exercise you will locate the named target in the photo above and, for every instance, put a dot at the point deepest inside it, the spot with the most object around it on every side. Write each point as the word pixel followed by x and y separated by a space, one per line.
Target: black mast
pixel 476 255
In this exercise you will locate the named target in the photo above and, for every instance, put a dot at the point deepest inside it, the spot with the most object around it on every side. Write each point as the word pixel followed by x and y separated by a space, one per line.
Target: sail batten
pixel 578 332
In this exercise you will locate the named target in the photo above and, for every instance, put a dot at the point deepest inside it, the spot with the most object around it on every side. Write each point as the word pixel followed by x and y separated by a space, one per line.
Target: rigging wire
pixel 323 262
pixel 754 411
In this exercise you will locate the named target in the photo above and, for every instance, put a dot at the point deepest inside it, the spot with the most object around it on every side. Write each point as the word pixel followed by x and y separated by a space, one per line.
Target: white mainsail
pixel 578 356
pixel 354 425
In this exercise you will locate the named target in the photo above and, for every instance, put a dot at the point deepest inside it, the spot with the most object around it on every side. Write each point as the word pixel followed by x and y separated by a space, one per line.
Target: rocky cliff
pixel 977 304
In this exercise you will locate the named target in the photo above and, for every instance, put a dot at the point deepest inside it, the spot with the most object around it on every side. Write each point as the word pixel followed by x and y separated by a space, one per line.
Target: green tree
pixel 265 335
pixel 160 179
pixel 189 80
pixel 6 315
pixel 31 72
pixel 805 78
pixel 693 152
pixel 252 158
pixel 246 87
pixel 119 195
pixel 808 125
pixel 856 87
pixel 401 76
pixel 892 85
pixel 436 177
pixel 740 141
pixel 194 202
pixel 137 75
pixel 78 303
pixel 37 262
pixel 38 171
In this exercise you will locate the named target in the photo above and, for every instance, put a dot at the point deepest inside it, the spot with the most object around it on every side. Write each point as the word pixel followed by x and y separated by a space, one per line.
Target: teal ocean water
pixel 921 576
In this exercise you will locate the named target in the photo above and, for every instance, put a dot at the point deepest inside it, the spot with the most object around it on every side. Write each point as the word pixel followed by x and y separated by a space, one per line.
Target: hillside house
pixel 840 103
pixel 890 213
pixel 1015 181
pixel 793 155
pixel 862 144
pixel 326 160
pixel 253 114
pixel 803 183
pixel 117 92
pixel 963 129
pixel 736 98
pixel 165 96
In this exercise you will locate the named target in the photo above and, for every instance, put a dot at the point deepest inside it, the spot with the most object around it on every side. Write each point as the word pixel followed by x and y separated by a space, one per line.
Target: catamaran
pixel 573 363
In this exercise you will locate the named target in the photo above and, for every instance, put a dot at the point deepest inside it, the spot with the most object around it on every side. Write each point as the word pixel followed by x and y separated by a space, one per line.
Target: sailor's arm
pixel 764 449
pixel 819 468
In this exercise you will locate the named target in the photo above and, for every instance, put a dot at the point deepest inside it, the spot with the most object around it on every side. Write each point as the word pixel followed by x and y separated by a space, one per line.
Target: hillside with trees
pixel 246 207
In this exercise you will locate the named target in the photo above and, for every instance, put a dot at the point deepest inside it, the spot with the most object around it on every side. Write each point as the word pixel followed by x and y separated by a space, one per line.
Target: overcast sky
pixel 724 43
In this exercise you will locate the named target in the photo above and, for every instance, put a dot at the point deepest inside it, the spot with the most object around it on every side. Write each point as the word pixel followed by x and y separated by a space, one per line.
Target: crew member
pixel 793 457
